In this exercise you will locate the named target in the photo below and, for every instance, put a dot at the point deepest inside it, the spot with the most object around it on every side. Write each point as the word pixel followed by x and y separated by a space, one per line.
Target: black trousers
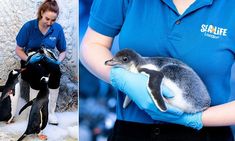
pixel 33 73
pixel 130 131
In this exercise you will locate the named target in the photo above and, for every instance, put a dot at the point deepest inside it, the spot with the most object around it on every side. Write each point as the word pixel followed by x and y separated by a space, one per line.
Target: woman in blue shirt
pixel 37 33
pixel 199 33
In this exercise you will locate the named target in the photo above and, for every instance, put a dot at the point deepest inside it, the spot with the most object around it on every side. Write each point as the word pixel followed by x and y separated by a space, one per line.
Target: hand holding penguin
pixel 42 55
pixel 134 85
pixel 190 94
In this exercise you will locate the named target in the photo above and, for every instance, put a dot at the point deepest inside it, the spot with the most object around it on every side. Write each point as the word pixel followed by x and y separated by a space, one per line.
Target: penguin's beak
pixel 112 62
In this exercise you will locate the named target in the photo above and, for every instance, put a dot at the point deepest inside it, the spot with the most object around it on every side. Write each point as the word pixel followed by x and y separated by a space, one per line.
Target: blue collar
pixel 36 27
pixel 196 5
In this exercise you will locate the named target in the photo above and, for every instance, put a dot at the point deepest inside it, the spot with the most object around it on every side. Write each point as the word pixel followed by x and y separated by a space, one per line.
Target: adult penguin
pixel 10 95
pixel 38 116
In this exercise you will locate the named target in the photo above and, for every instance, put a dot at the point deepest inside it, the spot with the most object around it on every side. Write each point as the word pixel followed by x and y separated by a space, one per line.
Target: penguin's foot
pixel 42 137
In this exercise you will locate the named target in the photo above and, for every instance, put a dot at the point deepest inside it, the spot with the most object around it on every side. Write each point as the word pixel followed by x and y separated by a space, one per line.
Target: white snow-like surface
pixel 67 130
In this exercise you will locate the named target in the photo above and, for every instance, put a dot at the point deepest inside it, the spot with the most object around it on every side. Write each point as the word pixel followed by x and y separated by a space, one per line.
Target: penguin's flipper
pixel 154 87
pixel 25 106
pixel 44 112
pixel 126 102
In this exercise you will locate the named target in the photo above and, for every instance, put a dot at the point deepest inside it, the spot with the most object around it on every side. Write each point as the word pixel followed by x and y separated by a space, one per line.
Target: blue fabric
pixel 203 37
pixel 30 37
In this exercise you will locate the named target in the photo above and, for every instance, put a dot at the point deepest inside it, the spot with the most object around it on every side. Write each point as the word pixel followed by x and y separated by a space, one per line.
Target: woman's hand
pixel 51 60
pixel 134 85
pixel 34 58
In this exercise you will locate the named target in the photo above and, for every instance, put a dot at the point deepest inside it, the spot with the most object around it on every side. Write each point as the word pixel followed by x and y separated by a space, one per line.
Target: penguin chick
pixel 47 52
pixel 44 52
pixel 190 93
pixel 38 115
pixel 9 98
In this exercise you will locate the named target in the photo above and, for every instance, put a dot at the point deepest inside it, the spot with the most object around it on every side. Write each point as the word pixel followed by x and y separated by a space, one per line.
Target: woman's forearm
pixel 221 115
pixel 20 52
pixel 62 56
pixel 94 51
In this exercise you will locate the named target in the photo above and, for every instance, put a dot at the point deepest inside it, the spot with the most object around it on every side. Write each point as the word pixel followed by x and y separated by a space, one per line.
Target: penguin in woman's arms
pixel 190 93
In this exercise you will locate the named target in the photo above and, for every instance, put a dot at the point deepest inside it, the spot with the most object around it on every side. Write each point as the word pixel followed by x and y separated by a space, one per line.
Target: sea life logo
pixel 213 31
pixel 52 38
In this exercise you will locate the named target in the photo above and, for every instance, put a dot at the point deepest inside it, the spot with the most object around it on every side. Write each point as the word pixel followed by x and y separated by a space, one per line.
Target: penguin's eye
pixel 124 59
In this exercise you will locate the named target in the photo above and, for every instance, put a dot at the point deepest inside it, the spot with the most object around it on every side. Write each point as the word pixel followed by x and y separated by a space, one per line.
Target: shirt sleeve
pixel 22 36
pixel 107 16
pixel 61 43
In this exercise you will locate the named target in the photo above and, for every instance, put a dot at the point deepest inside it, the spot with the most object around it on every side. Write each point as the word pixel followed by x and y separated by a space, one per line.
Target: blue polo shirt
pixel 30 37
pixel 203 37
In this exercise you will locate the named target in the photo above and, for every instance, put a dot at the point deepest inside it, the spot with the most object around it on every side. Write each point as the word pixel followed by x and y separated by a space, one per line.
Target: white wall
pixel 14 13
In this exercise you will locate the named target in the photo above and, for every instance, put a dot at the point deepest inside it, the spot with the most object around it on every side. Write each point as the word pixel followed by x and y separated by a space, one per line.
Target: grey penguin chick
pixel 190 93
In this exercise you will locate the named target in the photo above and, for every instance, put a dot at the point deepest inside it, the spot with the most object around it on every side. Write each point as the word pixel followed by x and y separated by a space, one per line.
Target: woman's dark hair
pixel 48 5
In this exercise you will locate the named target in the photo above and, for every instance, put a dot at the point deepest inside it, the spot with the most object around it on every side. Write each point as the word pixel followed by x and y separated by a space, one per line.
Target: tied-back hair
pixel 48 5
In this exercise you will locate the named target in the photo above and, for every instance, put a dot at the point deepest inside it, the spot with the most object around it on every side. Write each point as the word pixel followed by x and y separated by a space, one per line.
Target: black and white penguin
pixel 190 93
pixel 45 55
pixel 38 115
pixel 10 95
pixel 49 53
